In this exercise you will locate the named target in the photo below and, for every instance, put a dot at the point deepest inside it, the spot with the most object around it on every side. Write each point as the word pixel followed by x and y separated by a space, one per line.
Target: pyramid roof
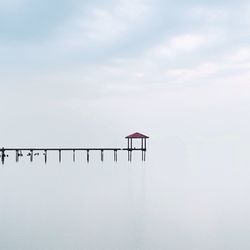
pixel 137 136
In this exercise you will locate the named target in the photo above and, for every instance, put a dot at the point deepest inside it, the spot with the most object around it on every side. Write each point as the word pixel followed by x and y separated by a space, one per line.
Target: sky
pixel 88 73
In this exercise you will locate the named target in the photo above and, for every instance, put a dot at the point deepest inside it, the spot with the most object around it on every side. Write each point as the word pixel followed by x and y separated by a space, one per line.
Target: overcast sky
pixel 85 73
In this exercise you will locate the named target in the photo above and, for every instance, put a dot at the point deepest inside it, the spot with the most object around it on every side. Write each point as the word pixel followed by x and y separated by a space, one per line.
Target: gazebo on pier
pixel 143 148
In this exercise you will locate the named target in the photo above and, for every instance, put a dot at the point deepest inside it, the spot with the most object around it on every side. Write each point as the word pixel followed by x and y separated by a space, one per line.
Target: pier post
pixel 88 156
pixel 2 155
pixel 17 156
pixel 102 155
pixel 31 155
pixel 60 155
pixel 45 156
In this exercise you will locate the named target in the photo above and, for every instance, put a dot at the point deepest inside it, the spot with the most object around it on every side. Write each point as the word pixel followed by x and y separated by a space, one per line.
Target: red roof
pixel 137 135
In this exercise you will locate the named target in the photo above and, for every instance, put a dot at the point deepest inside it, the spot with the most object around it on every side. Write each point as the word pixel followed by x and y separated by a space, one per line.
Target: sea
pixel 168 202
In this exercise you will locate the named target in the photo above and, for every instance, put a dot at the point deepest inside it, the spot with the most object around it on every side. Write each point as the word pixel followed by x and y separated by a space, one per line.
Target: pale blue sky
pixel 88 60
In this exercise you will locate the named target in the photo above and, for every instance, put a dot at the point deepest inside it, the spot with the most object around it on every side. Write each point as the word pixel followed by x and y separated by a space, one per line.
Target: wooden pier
pixel 33 152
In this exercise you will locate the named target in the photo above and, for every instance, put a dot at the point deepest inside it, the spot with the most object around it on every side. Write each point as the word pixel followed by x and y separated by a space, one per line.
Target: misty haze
pixel 76 74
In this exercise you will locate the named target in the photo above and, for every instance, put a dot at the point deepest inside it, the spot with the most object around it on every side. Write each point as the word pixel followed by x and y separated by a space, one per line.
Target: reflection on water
pixel 72 207
pixel 126 206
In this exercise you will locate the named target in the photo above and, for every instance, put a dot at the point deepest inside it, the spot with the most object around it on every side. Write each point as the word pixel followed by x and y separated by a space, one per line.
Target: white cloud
pixel 180 44
pixel 241 55
pixel 234 65
pixel 187 42
pixel 103 26
pixel 200 71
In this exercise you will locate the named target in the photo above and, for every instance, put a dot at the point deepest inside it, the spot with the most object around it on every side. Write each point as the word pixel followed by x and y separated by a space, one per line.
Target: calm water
pixel 124 206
